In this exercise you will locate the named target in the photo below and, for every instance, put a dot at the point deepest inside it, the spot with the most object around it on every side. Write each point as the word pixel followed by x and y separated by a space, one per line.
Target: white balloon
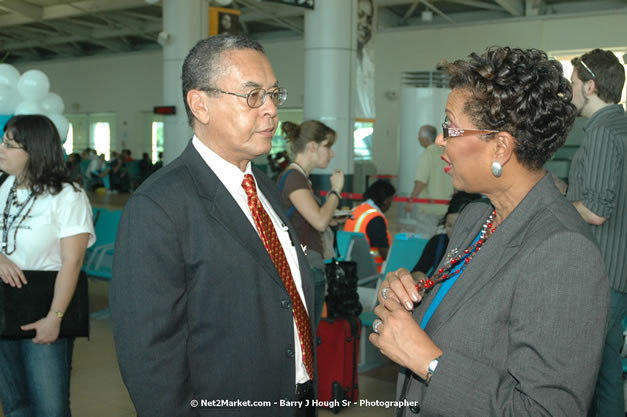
pixel 29 107
pixel 62 124
pixel 53 103
pixel 33 85
pixel 9 75
pixel 8 99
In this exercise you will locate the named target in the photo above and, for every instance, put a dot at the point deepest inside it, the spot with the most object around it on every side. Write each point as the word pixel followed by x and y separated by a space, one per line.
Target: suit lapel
pixel 225 211
pixel 497 251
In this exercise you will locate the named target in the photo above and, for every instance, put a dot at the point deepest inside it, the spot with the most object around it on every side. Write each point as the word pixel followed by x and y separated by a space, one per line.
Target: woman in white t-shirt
pixel 46 226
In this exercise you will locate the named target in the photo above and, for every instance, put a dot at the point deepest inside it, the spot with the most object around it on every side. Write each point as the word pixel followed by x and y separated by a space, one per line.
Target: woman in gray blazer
pixel 512 322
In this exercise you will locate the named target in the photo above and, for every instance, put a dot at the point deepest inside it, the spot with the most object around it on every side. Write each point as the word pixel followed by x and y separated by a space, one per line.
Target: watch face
pixel 433 364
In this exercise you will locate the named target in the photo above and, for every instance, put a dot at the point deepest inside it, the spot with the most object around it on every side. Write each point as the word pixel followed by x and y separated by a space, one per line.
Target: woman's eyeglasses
pixel 448 131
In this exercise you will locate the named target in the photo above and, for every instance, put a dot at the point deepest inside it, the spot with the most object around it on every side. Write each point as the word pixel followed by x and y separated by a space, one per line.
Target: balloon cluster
pixel 29 93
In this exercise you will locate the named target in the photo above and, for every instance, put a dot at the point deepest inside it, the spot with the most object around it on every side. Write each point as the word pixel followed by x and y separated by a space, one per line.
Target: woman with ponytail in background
pixel 310 144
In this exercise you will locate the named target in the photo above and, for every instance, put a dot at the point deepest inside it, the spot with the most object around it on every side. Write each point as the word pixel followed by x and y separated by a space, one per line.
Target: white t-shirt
pixel 52 217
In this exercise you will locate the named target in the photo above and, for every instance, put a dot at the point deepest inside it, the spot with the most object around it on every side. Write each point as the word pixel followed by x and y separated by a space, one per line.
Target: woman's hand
pixel 10 273
pixel 46 329
pixel 399 285
pixel 401 339
pixel 337 180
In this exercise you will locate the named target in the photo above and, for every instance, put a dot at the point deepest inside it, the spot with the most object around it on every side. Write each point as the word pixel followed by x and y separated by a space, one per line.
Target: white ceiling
pixel 37 30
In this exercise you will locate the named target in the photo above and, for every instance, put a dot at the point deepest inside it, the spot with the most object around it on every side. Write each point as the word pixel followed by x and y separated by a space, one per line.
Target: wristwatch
pixel 431 369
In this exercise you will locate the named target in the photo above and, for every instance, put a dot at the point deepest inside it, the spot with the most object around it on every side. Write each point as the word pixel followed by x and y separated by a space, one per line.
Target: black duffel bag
pixel 342 298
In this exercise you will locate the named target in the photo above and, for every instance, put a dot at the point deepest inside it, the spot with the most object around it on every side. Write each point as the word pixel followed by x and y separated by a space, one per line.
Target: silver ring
pixel 384 292
pixel 376 324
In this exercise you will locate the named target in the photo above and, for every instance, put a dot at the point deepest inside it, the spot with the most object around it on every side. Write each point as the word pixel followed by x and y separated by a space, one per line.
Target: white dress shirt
pixel 231 177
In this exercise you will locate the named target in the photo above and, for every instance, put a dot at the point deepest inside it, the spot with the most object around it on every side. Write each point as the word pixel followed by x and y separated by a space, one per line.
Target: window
pixel 279 144
pixel 362 139
pixel 157 140
pixel 101 136
pixel 68 146
pixel 90 130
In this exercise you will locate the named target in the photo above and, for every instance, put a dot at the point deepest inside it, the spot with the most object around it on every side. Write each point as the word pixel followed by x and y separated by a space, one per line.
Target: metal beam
pixel 113 45
pixel 27 11
pixel 103 34
pixel 279 21
pixel 409 12
pixel 142 16
pixel 438 11
pixel 68 27
pixel 513 7
pixel 478 4
pixel 75 9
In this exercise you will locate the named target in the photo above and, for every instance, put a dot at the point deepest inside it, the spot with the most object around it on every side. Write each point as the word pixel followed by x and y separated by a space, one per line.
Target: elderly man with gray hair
pixel 431 182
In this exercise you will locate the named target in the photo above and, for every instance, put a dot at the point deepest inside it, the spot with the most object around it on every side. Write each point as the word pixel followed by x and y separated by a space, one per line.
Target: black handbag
pixel 342 297
pixel 19 306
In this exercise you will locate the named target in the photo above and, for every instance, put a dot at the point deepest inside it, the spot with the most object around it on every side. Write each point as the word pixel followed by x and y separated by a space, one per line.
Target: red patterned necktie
pixel 273 246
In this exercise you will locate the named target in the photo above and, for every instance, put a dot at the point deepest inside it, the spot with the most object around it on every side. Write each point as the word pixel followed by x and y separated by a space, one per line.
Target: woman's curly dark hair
pixel 519 91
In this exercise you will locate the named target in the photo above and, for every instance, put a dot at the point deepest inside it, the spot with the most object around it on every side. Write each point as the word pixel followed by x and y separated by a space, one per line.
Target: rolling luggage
pixel 337 351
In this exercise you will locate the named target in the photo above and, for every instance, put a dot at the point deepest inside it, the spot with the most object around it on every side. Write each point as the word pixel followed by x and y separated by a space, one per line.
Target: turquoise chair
pixel 106 227
pixel 343 240
pixel 404 252
pixel 99 259
pixel 134 174
pixel 95 215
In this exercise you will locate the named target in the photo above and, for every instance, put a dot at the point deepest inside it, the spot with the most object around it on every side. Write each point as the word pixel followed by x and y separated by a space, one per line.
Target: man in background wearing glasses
pixel 211 292
pixel 598 189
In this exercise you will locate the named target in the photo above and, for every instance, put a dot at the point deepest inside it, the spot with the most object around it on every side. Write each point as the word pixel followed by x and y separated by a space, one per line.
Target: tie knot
pixel 249 186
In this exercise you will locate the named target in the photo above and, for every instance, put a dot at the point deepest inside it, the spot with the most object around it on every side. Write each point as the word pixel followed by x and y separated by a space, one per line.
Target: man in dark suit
pixel 204 322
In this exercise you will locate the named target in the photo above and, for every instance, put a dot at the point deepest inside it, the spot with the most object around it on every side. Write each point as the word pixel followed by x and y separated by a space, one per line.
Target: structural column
pixel 330 53
pixel 184 24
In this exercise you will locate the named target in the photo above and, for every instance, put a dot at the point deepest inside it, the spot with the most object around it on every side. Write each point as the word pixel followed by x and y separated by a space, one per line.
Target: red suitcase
pixel 338 350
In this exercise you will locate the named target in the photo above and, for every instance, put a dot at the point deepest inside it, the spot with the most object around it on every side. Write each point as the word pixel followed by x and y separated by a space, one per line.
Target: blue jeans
pixel 608 400
pixel 320 289
pixel 34 378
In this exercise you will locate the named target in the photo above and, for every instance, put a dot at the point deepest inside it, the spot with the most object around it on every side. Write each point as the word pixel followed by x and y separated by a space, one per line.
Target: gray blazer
pixel 199 310
pixel 522 329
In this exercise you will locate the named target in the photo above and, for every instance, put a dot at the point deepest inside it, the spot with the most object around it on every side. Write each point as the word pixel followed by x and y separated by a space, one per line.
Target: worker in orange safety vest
pixel 368 218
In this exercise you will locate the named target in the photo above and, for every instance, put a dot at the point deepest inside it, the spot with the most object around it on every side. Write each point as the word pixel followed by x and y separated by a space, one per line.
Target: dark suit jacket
pixel 199 310
pixel 522 329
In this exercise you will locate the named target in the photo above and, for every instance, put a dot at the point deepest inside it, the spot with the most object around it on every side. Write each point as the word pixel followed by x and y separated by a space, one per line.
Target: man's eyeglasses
pixel 8 145
pixel 448 131
pixel 257 96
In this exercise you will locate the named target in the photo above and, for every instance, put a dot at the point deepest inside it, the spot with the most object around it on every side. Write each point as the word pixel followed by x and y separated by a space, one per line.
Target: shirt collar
pixel 229 174
pixel 371 202
pixel 612 108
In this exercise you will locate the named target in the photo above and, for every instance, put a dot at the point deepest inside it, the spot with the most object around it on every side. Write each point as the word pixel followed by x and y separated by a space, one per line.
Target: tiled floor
pixel 97 389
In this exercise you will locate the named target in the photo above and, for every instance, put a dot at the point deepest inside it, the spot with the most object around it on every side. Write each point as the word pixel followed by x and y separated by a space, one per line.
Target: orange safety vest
pixel 358 222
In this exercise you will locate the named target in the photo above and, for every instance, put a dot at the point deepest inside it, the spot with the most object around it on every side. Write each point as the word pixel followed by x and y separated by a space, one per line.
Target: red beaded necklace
pixel 455 259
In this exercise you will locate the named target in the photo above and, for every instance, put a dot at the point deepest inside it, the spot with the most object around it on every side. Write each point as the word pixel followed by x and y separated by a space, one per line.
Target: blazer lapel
pixel 496 252
pixel 225 211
